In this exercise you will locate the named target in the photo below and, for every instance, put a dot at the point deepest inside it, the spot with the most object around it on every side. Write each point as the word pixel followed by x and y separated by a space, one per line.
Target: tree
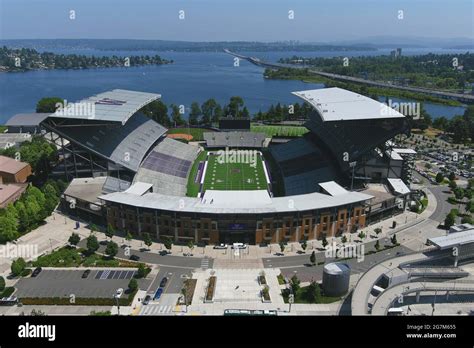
pixel 51 198
pixel 377 245
pixel 2 284
pixel 304 245
pixel 132 285
pixel 48 105
pixel 324 241
pixel 195 114
pixel 344 239
pixel 168 243
pixel 312 258
pixel 208 110
pixel 191 246
pixel 74 239
pixel 141 272
pixel 449 220
pixel 394 239
pixel 128 237
pixel 314 292
pixel 176 115
pixel 282 246
pixel 452 184
pixel 439 178
pixel 452 176
pixel 110 231
pixel 112 249
pixel 8 228
pixel 458 193
pixel 92 244
pixel 147 239
pixel 18 266
pixel 361 235
pixel 295 284
pixel 378 230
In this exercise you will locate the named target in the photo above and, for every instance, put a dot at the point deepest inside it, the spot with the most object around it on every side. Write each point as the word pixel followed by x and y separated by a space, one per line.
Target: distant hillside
pixel 163 45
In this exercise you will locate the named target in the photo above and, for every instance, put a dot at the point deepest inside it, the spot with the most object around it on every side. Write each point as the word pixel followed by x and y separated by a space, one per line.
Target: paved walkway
pixel 50 236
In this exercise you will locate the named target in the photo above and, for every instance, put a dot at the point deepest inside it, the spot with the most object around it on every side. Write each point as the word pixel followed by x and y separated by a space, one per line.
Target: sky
pixel 232 20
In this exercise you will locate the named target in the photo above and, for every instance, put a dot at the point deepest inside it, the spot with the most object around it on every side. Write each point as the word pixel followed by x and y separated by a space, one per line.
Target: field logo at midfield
pixel 347 251
pixel 75 109
pixel 237 156
pixel 405 108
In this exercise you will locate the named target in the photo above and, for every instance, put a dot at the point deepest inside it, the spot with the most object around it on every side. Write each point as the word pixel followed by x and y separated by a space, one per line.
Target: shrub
pixel 2 284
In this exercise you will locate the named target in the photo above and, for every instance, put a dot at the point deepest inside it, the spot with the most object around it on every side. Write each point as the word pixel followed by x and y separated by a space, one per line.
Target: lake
pixel 194 76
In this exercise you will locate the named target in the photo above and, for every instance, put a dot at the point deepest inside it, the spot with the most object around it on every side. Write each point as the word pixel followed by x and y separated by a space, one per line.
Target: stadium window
pixel 178 223
pixel 205 225
pixel 198 225
pixel 259 225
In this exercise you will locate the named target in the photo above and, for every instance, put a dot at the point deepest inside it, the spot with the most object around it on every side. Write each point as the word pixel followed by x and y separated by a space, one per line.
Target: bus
pixel 395 311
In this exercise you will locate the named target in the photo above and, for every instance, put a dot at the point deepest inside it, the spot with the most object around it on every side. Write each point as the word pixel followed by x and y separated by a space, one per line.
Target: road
pixel 457 96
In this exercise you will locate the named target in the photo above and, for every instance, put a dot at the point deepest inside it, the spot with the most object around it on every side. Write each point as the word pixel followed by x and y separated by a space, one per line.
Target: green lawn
pixel 234 176
pixel 302 296
pixel 273 130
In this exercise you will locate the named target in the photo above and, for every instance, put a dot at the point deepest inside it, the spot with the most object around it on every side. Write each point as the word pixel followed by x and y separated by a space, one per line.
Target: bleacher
pixel 356 138
pixel 303 165
pixel 234 139
pixel 167 167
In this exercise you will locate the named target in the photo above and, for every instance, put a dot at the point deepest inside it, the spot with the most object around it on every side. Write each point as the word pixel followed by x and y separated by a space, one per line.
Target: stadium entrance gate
pixel 230 236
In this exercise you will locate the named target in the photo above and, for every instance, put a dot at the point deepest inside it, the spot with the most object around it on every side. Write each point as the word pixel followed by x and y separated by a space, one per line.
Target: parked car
pixel 158 294
pixel 134 257
pixel 86 273
pixel 163 282
pixel 239 246
pixel 220 246
pixel 36 271
pixel 118 293
pixel 9 301
pixel 146 300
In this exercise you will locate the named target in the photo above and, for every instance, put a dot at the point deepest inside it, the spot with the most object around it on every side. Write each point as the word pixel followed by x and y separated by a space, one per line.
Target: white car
pixel 239 246
pixel 220 246
pixel 118 293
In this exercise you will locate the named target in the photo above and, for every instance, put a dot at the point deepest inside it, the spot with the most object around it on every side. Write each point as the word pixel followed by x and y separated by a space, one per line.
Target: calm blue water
pixel 193 77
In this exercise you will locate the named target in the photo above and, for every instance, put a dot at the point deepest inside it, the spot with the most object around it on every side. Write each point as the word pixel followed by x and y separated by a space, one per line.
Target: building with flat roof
pixel 13 171
pixel 10 193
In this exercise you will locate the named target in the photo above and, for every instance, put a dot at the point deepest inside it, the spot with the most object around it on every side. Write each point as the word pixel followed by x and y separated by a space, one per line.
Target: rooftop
pixel 27 119
pixel 398 186
pixel 86 189
pixel 7 191
pixel 11 166
pixel 235 202
pixel 337 104
pixel 453 239
pixel 117 105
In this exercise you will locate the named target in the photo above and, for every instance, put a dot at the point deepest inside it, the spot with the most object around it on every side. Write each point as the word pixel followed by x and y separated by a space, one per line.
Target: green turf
pixel 193 188
pixel 234 176
pixel 284 131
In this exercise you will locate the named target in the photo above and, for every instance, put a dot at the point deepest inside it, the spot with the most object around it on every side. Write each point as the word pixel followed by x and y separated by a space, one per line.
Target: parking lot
pixel 64 283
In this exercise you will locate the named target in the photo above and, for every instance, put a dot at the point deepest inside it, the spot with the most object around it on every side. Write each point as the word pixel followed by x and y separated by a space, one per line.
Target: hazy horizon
pixel 317 21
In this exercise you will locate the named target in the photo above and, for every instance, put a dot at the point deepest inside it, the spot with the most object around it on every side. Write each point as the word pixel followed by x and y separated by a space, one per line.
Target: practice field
pixel 234 176
pixel 283 131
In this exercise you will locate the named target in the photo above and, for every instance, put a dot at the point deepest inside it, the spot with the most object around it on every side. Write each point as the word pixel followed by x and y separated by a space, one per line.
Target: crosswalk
pixel 205 263
pixel 152 309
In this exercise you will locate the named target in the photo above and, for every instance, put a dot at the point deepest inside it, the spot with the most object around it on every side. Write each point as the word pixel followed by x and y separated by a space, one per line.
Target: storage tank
pixel 336 278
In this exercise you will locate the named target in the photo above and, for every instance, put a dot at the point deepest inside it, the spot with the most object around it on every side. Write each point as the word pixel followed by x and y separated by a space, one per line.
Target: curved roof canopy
pixel 117 105
pixel 337 104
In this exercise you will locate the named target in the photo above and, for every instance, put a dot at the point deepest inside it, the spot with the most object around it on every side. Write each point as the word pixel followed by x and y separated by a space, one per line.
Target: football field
pixel 234 176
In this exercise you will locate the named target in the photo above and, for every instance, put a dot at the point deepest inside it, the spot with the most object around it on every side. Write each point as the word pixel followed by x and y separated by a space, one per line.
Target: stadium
pixel 236 185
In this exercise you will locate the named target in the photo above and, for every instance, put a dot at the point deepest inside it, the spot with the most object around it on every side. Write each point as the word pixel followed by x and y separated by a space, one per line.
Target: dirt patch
pixel 184 136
